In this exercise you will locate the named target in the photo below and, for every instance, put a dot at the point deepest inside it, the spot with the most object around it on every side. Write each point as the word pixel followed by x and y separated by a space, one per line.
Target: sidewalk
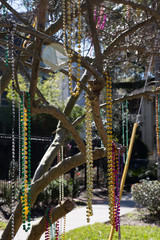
pixel 77 217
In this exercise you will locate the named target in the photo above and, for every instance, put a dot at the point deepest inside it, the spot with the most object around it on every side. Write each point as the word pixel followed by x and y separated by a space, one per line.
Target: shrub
pixel 50 195
pixel 147 194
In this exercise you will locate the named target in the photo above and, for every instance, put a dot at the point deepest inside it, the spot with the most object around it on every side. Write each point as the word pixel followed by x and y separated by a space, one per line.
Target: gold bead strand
pixel 79 35
pixel 70 29
pixel 89 159
pixel 109 147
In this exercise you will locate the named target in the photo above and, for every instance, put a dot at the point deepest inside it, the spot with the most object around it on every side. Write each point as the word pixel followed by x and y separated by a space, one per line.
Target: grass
pixel 100 231
pixel 2 225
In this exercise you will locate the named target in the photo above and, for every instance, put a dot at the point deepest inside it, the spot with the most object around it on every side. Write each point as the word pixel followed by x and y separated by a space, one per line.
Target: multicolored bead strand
pixel 110 159
pixel 157 121
pixel 89 158
pixel 69 45
pixel 57 230
pixel 26 163
pixel 47 233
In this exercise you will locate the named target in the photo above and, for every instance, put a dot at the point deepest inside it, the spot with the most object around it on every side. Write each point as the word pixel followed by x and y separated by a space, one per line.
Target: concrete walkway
pixel 77 217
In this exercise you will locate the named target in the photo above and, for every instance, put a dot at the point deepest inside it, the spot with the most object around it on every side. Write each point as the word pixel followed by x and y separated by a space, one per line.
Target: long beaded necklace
pixel 158 121
pixel 13 134
pixel 49 227
pixel 110 159
pixel 125 127
pixel 116 153
pixel 60 158
pixel 100 23
pixel 69 47
pixel 89 158
pixel 26 162
pixel 6 38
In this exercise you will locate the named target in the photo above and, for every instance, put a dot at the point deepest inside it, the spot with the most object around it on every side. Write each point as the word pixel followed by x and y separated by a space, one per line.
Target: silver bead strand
pixel 13 132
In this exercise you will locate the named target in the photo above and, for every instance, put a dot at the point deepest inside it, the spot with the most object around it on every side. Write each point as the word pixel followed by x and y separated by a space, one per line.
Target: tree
pixel 127 35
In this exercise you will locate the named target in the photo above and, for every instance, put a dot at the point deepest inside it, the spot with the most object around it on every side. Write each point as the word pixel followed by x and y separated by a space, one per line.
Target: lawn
pixel 100 231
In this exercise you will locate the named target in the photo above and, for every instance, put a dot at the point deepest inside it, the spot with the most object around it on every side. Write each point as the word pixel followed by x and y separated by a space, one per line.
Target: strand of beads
pixel 89 158
pixel 69 49
pixel 126 130
pixel 13 134
pixel 6 37
pixel 62 195
pixel 117 199
pixel 57 230
pixel 26 163
pixel 19 143
pixel 47 233
pixel 157 122
pixel 123 130
pixel 109 148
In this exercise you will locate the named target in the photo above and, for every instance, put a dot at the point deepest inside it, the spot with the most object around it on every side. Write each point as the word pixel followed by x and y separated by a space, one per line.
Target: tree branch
pixel 57 213
pixel 154 13
pixel 43 182
pixel 38 47
pixel 65 121
pixel 98 54
pixel 124 34
pixel 98 121
pixel 60 137
pixel 15 13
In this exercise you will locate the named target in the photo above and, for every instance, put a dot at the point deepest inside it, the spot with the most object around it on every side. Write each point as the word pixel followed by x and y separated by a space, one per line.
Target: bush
pixel 50 195
pixel 147 194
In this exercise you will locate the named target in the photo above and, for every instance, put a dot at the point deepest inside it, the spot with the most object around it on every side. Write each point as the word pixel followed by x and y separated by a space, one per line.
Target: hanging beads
pixel 157 121
pixel 13 136
pixel 125 128
pixel 70 29
pixel 110 159
pixel 6 37
pixel 26 162
pixel 60 158
pixel 19 143
pixel 89 158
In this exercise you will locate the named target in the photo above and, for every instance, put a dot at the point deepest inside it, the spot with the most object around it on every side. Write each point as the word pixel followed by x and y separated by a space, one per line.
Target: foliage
pixel 50 195
pixel 101 231
pixel 51 88
pixel 2 225
pixel 77 112
pixel 147 194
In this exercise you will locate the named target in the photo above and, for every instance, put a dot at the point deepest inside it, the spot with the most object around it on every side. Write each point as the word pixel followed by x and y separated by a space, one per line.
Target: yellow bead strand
pixel 89 158
pixel 69 28
pixel 110 158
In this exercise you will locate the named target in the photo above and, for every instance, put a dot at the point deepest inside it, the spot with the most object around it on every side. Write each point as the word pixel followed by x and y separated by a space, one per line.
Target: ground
pixel 139 216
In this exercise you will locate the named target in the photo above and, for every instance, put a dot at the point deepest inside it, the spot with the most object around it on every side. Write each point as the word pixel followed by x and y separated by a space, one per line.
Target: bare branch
pixel 154 13
pixel 65 121
pixel 124 34
pixel 38 47
pixel 98 54
pixel 15 13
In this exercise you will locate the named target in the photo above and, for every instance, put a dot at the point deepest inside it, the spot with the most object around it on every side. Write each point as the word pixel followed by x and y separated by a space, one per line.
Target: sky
pixel 17 5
